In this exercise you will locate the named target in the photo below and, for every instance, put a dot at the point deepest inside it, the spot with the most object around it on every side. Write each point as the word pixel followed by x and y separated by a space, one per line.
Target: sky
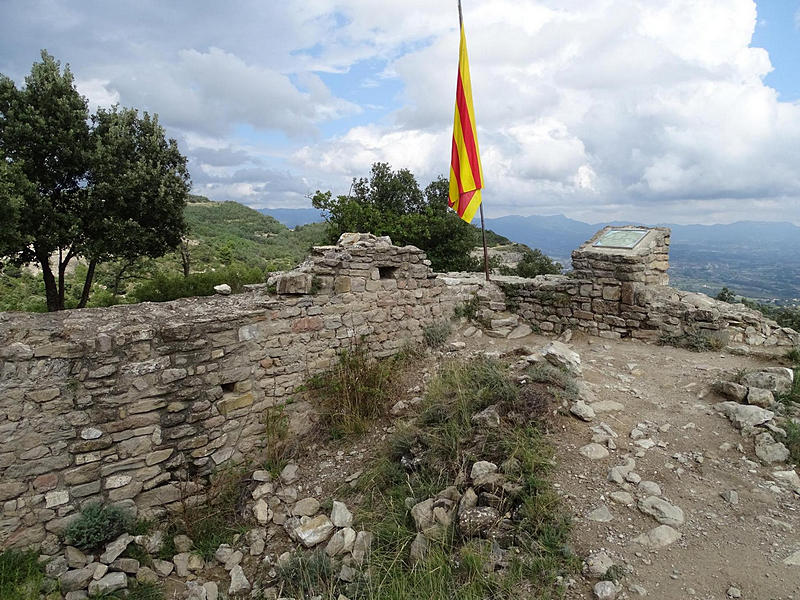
pixel 654 111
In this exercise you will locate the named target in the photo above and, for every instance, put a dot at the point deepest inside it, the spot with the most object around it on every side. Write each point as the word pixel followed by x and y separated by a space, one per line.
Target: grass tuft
pixel 355 391
pixel 20 575
pixel 693 340
pixel 96 525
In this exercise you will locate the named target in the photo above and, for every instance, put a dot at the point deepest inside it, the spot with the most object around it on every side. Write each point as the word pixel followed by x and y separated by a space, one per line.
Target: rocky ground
pixel 666 488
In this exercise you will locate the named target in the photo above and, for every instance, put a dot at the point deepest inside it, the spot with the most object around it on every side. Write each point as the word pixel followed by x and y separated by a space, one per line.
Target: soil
pixel 666 393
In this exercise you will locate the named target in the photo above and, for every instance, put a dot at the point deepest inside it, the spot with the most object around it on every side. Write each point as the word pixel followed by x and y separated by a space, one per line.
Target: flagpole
pixel 483 227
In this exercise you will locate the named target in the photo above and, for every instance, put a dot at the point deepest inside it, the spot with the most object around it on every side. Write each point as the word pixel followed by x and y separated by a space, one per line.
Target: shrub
pixel 20 575
pixel 96 525
pixel 693 340
pixel 792 440
pixel 794 355
pixel 165 287
pixel 467 309
pixel 436 334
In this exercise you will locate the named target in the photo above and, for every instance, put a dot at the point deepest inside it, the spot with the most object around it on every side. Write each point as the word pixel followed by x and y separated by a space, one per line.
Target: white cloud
pixel 623 109
pixel 607 109
pixel 97 93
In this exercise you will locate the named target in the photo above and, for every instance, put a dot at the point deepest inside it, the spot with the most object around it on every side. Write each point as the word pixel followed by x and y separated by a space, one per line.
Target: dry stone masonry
pixel 618 292
pixel 135 405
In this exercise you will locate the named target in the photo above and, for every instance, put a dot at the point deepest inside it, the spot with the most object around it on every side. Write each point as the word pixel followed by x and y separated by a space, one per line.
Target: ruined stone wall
pixel 127 404
pixel 612 309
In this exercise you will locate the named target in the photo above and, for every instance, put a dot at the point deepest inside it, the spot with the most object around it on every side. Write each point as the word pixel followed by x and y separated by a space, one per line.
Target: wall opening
pixel 387 272
pixel 228 387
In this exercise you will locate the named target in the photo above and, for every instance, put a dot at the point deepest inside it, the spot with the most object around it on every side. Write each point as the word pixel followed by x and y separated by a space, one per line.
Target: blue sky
pixel 643 110
pixel 778 31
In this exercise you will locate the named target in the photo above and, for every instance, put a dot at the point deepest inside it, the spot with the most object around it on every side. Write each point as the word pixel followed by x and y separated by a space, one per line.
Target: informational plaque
pixel 620 238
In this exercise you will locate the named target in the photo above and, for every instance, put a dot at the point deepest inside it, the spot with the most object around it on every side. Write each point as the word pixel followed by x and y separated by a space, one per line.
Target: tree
pixel 112 190
pixel 44 139
pixel 392 203
pixel 137 188
pixel 726 295
pixel 535 262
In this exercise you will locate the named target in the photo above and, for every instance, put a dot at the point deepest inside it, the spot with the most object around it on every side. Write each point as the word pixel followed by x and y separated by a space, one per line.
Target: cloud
pixel 611 109
pixel 620 109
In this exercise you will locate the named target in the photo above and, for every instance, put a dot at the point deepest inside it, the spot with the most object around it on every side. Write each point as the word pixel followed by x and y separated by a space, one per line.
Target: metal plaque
pixel 621 238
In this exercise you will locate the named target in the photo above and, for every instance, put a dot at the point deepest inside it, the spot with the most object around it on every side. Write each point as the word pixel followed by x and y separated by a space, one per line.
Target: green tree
pixel 392 203
pixel 535 262
pixel 138 186
pixel 726 295
pixel 44 138
pixel 113 190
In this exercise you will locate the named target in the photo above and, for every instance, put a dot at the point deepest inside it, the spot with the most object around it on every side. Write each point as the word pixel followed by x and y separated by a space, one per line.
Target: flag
pixel 466 175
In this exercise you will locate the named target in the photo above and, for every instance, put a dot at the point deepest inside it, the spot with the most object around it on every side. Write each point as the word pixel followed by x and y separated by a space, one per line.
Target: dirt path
pixel 694 455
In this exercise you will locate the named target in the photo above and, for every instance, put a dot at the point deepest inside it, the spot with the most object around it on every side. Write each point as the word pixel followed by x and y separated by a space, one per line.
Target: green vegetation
pixel 355 391
pixel 467 309
pixel 794 355
pixel 107 188
pixel 694 340
pixel 533 262
pixel 217 519
pixel 227 243
pixel 792 440
pixel 436 334
pixel 96 525
pixel 20 575
pixel 392 203
pixel 164 287
pixel 442 444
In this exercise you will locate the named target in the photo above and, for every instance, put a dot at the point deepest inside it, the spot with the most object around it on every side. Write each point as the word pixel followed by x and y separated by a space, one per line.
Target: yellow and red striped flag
pixel 466 175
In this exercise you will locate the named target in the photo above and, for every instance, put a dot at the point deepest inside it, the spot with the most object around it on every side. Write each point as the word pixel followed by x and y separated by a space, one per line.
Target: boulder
pixel 307 507
pixel 111 582
pixel 744 416
pixel 115 548
pixel 582 410
pixel 760 397
pixel 340 515
pixel 661 536
pixel 239 582
pixel 477 521
pixel 481 468
pixel 731 390
pixel 774 379
pixel 770 451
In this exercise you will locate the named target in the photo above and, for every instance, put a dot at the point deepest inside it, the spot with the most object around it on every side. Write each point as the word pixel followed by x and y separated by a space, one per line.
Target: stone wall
pixel 136 404
pixel 128 404
pixel 618 292
pixel 554 303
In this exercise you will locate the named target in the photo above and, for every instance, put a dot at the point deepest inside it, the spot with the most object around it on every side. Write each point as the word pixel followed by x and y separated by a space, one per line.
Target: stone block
pixel 230 403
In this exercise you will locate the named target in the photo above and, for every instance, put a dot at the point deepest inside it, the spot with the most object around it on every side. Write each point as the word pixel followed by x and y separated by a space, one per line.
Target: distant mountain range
pixel 753 258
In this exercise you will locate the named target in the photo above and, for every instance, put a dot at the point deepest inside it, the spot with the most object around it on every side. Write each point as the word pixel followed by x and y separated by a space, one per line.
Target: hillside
pixel 227 242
